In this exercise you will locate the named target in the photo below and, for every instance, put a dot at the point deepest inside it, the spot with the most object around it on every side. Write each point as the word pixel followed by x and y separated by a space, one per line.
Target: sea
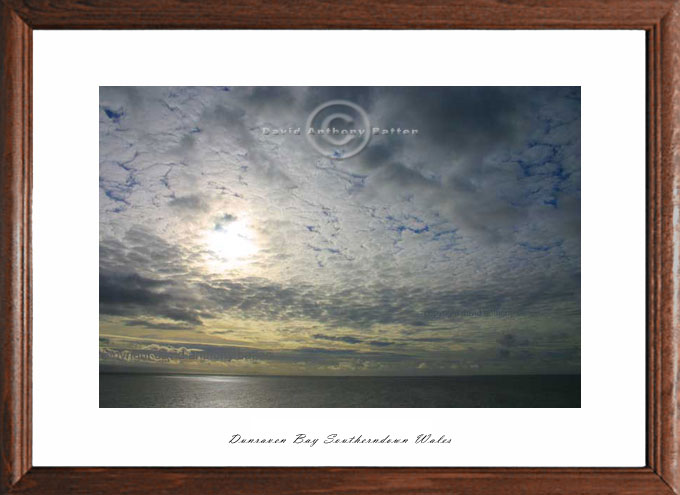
pixel 175 390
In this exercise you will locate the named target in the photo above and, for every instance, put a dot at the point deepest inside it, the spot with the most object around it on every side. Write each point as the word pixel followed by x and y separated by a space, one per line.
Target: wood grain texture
pixel 669 348
pixel 660 19
pixel 329 14
pixel 346 481
pixel 15 280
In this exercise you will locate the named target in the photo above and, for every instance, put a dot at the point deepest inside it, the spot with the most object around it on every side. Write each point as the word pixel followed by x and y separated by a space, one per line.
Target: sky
pixel 227 248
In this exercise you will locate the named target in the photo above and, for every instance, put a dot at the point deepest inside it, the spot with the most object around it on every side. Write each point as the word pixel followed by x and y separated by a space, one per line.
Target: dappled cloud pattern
pixel 224 249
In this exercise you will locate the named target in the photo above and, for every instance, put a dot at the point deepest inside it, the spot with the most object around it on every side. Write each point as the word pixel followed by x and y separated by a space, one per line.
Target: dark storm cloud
pixel 132 294
pixel 380 343
pixel 469 119
pixel 155 326
pixel 348 339
pixel 459 130
pixel 466 121
pixel 142 252
pixel 130 289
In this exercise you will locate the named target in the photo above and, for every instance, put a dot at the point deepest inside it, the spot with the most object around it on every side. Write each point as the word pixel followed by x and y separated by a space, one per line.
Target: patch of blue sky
pixel 114 115
pixel 404 228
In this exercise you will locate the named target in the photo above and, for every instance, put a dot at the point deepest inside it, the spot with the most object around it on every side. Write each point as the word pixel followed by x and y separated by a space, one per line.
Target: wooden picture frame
pixel 661 21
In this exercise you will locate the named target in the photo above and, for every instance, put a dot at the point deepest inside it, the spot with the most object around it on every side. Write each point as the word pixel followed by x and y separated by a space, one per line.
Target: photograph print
pixel 325 247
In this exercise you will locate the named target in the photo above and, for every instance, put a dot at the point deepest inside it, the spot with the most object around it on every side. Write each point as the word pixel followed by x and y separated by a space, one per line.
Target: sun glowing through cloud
pixel 232 244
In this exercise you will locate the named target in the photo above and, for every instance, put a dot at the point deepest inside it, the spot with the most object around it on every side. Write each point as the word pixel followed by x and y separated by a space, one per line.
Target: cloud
pixel 190 203
pixel 348 339
pixel 511 340
pixel 155 326
pixel 224 220
pixel 132 294
pixel 452 245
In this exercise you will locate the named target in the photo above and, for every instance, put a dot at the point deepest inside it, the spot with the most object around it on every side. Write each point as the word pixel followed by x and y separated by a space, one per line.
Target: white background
pixel 68 426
